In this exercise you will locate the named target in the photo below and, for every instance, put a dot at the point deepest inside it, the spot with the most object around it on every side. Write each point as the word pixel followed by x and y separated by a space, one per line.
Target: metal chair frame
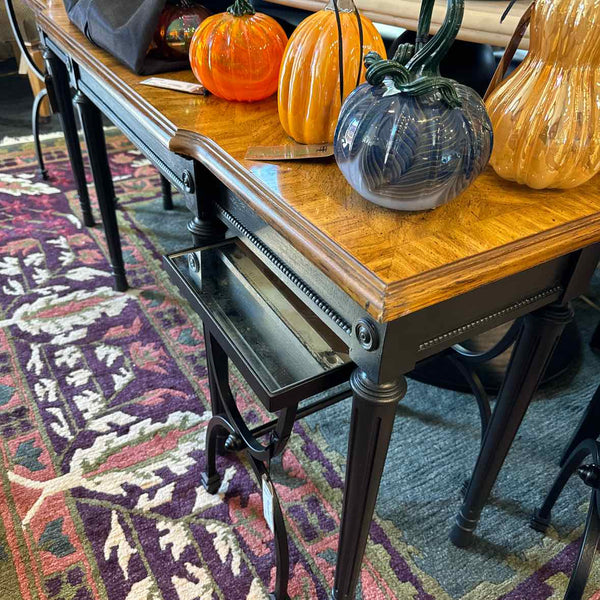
pixel 582 446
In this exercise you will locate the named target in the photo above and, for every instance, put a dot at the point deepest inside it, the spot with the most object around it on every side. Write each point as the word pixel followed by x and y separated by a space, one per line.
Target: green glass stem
pixel 407 83
pixel 424 23
pixel 427 60
pixel 241 7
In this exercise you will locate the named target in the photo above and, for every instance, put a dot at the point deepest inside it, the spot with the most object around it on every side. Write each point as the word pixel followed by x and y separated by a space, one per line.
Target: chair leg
pixel 587 551
pixel 542 516
pixel 481 397
pixel 540 520
pixel 588 428
pixel 35 126
pixel 167 196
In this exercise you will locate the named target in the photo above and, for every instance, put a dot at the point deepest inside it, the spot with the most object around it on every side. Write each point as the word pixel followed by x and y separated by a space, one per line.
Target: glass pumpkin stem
pixel 241 7
pixel 427 60
pixel 378 69
pixel 342 5
pixel 424 23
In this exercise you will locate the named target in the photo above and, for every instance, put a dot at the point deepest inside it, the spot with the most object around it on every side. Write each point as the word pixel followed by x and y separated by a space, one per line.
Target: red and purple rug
pixel 103 404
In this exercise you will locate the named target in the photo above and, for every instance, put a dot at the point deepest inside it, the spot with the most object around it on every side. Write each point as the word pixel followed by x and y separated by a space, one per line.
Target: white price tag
pixel 268 508
pixel 175 84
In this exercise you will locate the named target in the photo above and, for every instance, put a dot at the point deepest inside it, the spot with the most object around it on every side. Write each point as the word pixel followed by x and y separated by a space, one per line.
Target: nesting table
pixel 373 291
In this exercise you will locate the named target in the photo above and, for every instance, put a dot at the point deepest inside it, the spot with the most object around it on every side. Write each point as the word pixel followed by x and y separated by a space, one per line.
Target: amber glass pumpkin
pixel 546 115
pixel 176 26
pixel 309 97
pixel 236 55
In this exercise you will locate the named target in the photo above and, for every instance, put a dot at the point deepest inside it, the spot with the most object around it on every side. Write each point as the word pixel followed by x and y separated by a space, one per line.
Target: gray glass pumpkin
pixel 409 139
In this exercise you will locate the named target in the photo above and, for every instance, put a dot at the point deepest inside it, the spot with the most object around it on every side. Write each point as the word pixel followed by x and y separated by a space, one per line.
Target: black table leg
pixel 62 94
pixel 373 409
pixel 91 119
pixel 539 335
pixel 167 196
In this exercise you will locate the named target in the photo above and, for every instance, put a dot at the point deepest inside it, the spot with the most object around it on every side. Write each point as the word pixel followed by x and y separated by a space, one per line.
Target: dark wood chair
pixel 41 75
pixel 582 446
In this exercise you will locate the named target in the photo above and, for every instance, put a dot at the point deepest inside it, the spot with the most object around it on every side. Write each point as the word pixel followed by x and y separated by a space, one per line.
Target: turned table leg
pixel 538 338
pixel 62 93
pixel 373 410
pixel 91 119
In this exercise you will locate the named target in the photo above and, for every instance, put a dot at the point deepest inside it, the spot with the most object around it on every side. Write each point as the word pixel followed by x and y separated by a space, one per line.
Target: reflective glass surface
pixel 411 152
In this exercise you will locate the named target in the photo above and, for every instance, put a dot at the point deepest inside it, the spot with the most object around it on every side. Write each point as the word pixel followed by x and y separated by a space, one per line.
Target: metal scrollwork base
pixel 240 438
pixel 590 474
pixel 466 362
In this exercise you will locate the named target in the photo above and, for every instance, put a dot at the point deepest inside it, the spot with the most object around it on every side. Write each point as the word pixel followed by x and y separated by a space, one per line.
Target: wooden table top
pixel 391 263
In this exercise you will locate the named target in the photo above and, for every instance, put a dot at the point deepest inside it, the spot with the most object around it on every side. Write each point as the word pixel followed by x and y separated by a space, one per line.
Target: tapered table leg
pixel 91 119
pixel 62 94
pixel 373 409
pixel 539 335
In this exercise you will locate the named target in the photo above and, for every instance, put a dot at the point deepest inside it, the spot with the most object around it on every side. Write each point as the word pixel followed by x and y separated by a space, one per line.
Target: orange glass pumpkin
pixel 176 26
pixel 236 55
pixel 309 98
pixel 546 114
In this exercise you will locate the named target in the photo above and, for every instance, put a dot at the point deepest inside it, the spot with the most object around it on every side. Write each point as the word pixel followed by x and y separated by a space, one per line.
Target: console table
pixel 390 288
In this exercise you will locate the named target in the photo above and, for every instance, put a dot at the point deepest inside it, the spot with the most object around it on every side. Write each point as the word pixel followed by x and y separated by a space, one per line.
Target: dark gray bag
pixel 124 28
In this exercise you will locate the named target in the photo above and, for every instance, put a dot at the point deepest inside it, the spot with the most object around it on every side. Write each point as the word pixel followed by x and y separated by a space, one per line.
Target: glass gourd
pixel 309 97
pixel 546 115
pixel 236 55
pixel 176 26
pixel 409 139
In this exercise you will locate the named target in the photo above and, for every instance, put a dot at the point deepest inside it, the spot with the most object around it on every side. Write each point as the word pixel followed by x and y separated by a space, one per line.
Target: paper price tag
pixel 268 508
pixel 178 86
pixel 289 152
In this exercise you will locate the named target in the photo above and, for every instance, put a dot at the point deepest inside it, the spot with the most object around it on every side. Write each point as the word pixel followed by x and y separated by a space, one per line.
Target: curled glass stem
pixel 241 7
pixel 407 83
pixel 427 59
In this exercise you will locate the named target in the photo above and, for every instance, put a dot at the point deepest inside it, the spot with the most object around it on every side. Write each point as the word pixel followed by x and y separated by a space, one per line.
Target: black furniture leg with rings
pixel 540 521
pixel 373 407
pixel 537 339
pixel 62 92
pixel 91 119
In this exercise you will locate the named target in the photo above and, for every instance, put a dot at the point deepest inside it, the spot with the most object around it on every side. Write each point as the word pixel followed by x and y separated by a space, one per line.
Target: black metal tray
pixel 279 345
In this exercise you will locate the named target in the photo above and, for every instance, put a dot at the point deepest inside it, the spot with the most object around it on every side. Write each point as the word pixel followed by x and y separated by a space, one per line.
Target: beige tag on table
pixel 178 86
pixel 289 152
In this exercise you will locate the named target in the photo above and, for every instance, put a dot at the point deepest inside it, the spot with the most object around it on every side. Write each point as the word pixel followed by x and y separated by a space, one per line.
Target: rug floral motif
pixel 103 408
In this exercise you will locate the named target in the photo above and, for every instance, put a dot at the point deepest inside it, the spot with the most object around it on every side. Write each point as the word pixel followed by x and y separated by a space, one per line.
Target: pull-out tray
pixel 282 349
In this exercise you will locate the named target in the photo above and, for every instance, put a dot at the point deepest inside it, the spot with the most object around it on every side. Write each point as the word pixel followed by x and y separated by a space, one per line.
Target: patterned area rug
pixel 103 405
